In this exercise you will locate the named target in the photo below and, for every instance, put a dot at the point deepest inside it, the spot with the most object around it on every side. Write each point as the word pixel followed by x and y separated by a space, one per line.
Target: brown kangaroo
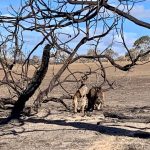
pixel 80 98
pixel 96 98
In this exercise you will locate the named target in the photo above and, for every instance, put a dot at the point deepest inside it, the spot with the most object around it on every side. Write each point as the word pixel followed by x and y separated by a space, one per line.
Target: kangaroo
pixel 80 98
pixel 99 103
pixel 95 98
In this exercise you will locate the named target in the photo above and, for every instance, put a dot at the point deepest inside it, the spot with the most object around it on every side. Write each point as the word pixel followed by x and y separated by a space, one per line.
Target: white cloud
pixel 140 12
pixel 117 45
pixel 129 37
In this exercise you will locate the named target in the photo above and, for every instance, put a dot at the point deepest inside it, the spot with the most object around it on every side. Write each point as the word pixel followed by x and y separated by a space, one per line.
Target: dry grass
pixel 61 130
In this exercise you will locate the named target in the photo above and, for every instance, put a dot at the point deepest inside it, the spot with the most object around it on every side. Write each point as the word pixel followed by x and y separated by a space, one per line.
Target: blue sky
pixel 132 31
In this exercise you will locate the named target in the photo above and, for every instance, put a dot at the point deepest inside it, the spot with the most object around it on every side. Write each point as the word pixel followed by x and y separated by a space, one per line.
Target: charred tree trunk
pixel 32 86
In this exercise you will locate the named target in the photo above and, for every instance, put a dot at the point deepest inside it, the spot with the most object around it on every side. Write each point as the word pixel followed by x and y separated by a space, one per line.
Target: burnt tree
pixel 32 86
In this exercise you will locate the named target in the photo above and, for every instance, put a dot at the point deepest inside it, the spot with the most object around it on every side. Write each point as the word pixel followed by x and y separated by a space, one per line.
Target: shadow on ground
pixel 102 129
pixel 115 131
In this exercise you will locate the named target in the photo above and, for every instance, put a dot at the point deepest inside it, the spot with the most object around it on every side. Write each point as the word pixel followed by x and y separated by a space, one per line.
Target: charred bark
pixel 32 86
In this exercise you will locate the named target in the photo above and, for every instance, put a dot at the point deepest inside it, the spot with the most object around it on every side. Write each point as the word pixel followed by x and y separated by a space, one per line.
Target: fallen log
pixel 6 101
pixel 127 118
pixel 57 100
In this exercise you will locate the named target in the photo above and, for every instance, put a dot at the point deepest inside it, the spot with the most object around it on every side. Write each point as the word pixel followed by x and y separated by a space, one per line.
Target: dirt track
pixel 61 130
